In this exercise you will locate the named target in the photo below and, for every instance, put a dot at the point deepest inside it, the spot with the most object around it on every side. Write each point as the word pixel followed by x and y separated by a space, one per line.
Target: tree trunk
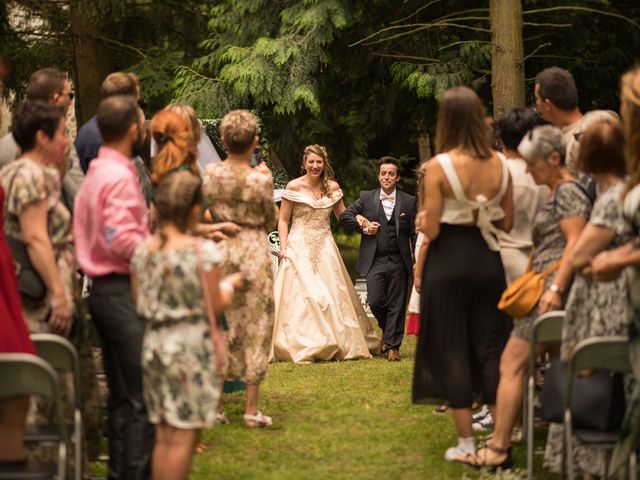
pixel 507 64
pixel 424 147
pixel 91 60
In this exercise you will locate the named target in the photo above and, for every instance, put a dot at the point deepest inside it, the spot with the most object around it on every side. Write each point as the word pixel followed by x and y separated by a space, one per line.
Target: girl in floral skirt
pixel 174 276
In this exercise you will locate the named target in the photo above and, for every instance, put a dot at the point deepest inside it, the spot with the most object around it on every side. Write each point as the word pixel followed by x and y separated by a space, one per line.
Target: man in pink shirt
pixel 110 220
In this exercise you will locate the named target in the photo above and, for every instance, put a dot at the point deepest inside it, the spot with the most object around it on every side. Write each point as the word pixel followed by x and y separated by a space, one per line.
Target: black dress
pixel 462 332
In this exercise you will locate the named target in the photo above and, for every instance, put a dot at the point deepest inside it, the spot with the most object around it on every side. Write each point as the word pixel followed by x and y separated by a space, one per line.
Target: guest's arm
pixel 592 240
pixel 412 225
pixel 433 200
pixel 122 224
pixel 506 223
pixel 219 344
pixel 571 229
pixel 419 266
pixel 607 265
pixel 33 228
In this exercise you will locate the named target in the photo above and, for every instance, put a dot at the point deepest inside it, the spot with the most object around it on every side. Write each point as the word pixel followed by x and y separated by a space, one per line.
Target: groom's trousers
pixel 387 284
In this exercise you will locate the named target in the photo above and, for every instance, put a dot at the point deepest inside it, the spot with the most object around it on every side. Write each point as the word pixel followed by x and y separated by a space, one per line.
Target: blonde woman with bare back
pixel 318 313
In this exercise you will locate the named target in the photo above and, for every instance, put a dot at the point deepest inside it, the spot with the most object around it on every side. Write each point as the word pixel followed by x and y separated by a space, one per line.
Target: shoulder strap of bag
pixel 551 269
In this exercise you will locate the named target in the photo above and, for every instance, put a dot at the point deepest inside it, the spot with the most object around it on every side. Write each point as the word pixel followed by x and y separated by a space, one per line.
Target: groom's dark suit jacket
pixel 370 207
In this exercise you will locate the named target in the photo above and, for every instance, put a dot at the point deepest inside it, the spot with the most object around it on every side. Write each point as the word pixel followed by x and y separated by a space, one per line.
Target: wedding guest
pixel 318 313
pixel 176 146
pixel 556 229
pixel 14 338
pixel 206 152
pixel 182 374
pixel 467 198
pixel 235 192
pixel 528 198
pixel 35 216
pixel 51 86
pixel 608 265
pixel 595 308
pixel 89 139
pixel 110 221
pixel 176 150
pixel 556 97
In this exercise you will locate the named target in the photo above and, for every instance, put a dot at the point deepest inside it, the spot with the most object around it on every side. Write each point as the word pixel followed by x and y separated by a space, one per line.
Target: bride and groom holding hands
pixel 318 313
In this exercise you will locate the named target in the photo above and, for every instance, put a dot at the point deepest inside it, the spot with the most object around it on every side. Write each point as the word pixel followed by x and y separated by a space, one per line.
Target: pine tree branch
pixel 555 25
pixel 581 9
pixel 419 27
pixel 424 7
pixel 407 57
pixel 539 47
pixel 123 46
pixel 461 42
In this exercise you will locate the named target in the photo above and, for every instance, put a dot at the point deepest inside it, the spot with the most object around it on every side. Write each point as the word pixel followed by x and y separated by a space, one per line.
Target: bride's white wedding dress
pixel 318 313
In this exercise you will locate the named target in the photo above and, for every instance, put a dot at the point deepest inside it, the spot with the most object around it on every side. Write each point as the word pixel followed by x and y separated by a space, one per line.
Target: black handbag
pixel 597 400
pixel 30 282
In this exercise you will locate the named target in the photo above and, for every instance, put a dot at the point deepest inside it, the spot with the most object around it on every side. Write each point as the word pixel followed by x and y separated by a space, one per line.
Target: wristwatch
pixel 555 289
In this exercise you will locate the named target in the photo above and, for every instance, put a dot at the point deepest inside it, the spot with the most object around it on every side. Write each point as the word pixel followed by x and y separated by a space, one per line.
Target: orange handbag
pixel 524 292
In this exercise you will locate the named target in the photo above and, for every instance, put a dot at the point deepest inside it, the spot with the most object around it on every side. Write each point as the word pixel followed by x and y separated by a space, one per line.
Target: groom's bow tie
pixel 391 196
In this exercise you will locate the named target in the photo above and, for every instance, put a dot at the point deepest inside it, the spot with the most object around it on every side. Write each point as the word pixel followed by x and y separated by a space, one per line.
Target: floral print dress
pixel 26 182
pixel 180 384
pixel 593 309
pixel 245 197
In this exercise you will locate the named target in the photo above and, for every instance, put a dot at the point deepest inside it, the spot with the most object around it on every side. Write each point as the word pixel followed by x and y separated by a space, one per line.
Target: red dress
pixel 14 337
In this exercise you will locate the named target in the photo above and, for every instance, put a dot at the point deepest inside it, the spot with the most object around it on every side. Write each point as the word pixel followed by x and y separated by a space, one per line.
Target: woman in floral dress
pixel 183 352
pixel 235 192
pixel 595 308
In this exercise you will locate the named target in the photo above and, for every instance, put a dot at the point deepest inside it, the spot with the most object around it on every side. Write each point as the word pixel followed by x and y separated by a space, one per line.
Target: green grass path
pixel 336 420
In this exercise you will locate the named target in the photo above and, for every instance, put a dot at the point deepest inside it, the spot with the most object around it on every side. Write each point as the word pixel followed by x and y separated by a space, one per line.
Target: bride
pixel 318 313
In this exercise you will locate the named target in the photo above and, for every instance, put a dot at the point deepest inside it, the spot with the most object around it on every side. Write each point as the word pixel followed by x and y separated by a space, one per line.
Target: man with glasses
pixel 52 86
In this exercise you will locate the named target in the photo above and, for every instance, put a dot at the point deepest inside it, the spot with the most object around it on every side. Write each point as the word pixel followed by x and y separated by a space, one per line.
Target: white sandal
pixel 221 418
pixel 259 420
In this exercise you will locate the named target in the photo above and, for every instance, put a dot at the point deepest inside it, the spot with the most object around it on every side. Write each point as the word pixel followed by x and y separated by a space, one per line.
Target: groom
pixel 385 217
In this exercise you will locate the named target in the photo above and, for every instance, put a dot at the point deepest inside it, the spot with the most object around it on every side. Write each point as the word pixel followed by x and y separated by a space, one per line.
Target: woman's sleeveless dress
pixel 462 332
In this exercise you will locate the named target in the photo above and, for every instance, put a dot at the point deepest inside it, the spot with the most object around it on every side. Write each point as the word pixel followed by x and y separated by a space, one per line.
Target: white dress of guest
pixel 528 198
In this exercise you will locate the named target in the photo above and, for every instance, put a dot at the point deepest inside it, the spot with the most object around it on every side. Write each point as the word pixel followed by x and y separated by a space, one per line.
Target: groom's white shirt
pixel 389 204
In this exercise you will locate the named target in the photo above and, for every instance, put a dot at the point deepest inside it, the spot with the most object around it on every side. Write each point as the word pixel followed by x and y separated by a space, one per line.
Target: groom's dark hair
pixel 390 161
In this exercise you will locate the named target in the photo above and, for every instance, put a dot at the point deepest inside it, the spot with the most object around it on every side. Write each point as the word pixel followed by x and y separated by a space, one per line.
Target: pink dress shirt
pixel 110 215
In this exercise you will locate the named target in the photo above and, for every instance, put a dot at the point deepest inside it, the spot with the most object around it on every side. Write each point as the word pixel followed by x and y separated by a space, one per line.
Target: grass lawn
pixel 337 420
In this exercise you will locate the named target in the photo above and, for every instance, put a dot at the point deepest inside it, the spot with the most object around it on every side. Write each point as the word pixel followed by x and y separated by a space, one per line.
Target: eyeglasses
pixel 71 95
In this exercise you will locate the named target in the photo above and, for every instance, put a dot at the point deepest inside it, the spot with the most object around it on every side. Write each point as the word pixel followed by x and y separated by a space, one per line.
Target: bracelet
pixel 227 287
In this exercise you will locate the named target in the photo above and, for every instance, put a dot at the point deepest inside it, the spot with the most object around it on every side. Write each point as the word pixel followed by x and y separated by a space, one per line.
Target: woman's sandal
pixel 441 408
pixel 259 420
pixel 506 464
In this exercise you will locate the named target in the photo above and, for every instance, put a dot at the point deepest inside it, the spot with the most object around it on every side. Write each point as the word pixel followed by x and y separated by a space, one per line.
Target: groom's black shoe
pixel 393 355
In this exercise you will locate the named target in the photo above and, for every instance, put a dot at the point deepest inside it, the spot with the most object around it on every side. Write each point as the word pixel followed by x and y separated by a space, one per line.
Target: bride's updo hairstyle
pixel 176 146
pixel 461 124
pixel 327 171
pixel 238 129
pixel 174 198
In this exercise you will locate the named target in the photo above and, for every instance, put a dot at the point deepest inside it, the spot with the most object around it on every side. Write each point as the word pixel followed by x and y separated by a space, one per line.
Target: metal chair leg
pixel 529 427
